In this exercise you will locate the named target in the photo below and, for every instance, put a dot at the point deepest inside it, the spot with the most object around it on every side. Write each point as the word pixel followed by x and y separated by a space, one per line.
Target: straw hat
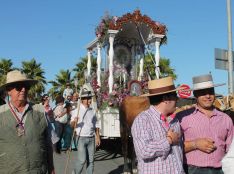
pixel 16 76
pixel 161 86
pixel 204 82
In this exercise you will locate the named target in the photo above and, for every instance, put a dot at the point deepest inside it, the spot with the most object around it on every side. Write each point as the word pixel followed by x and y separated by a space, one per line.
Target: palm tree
pixel 81 67
pixel 5 67
pixel 59 84
pixel 164 64
pixel 34 71
pixel 166 69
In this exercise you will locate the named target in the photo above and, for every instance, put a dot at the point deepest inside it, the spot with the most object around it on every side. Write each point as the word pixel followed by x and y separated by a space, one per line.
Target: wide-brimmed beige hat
pixel 204 82
pixel 16 76
pixel 161 86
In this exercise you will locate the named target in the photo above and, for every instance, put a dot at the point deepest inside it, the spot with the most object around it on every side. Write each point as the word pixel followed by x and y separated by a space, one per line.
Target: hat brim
pixel 88 96
pixel 149 95
pixel 213 86
pixel 30 82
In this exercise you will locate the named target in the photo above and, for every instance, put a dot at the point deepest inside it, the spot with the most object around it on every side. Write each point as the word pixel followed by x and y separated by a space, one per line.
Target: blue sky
pixel 56 32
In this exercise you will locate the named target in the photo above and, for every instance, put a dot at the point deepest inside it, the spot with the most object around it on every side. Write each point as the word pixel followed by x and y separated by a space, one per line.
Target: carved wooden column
pixel 157 57
pixel 112 34
pixel 89 64
pixel 133 63
pixel 156 39
pixel 99 63
pixel 141 69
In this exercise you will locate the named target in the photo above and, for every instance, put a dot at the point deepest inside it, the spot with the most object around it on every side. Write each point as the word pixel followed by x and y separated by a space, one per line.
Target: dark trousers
pixel 204 170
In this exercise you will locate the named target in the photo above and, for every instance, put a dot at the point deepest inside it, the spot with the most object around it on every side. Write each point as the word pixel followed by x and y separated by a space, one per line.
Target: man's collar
pixel 214 111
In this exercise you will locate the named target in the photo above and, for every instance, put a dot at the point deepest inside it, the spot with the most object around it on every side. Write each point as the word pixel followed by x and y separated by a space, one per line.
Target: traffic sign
pixel 185 92
pixel 221 58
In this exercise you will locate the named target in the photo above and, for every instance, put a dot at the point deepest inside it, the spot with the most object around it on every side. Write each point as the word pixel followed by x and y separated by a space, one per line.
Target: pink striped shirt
pixel 219 128
pixel 154 153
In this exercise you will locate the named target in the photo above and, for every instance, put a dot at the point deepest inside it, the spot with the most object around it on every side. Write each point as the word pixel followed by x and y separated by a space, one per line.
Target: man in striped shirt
pixel 155 132
pixel 207 132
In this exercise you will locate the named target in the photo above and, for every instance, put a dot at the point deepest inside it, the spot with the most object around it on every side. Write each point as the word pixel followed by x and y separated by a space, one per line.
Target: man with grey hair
pixel 25 140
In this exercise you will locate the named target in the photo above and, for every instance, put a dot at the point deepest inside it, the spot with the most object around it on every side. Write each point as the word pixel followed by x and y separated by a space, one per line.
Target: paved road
pixel 106 162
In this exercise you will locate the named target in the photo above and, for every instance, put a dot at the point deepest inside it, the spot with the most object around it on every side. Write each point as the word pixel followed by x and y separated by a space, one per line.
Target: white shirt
pixel 87 122
pixel 228 161
pixel 67 92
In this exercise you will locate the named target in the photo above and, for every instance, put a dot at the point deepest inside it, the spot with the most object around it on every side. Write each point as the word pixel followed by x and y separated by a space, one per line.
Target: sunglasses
pixel 19 87
pixel 204 92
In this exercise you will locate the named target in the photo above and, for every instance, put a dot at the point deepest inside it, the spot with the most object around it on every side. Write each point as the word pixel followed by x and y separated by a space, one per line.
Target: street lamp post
pixel 230 59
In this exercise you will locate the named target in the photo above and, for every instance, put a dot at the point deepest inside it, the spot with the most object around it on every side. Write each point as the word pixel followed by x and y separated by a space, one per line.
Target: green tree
pixel 81 67
pixel 34 71
pixel 164 65
pixel 5 67
pixel 59 84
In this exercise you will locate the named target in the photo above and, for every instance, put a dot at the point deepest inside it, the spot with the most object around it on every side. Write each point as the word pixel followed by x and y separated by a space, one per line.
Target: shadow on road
pixel 117 171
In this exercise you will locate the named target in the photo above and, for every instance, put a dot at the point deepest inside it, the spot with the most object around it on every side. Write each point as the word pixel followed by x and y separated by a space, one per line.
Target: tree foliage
pixel 164 65
pixel 81 67
pixel 59 84
pixel 6 65
pixel 34 71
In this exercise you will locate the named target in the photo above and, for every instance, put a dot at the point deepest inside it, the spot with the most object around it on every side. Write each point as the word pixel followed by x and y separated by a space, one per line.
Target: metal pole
pixel 230 59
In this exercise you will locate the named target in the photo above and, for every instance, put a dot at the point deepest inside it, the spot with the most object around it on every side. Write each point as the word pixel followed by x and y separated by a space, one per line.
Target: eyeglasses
pixel 19 87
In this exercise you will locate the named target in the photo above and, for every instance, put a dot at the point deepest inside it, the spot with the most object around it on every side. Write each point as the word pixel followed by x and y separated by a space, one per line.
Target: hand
pixel 50 112
pixel 74 122
pixel 205 145
pixel 173 137
pixel 98 141
pixel 76 119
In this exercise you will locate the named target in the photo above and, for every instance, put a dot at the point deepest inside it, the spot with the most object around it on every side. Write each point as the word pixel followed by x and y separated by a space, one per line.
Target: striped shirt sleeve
pixel 146 146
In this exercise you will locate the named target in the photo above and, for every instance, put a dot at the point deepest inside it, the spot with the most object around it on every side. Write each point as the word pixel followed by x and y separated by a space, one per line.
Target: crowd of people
pixel 194 141
pixel 198 140
pixel 30 133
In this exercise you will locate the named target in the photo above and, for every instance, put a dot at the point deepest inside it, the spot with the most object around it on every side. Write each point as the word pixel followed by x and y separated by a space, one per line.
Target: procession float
pixel 120 46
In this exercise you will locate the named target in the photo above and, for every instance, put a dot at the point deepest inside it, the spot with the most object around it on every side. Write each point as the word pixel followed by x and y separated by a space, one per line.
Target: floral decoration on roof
pixel 137 17
pixel 116 23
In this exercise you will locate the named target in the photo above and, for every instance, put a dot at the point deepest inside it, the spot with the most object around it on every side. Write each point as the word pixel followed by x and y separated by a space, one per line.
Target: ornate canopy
pixel 131 26
pixel 136 17
pixel 126 39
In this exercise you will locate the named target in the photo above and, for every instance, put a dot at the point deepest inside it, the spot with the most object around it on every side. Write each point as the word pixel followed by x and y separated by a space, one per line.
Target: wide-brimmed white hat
pixel 161 86
pixel 17 76
pixel 204 82
pixel 86 93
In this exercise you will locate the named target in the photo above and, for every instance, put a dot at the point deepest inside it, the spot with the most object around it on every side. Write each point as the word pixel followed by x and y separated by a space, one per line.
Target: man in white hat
pixel 87 131
pixel 156 133
pixel 24 136
pixel 207 132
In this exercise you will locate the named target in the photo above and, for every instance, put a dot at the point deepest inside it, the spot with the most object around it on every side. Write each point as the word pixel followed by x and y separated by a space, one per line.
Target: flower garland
pixel 116 23
pixel 106 23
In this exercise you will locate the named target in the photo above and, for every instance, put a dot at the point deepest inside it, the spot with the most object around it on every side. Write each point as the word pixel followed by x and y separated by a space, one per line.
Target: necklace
pixel 20 125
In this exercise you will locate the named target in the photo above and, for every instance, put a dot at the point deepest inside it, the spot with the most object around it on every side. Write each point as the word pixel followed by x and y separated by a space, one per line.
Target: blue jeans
pixel 85 152
pixel 204 170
